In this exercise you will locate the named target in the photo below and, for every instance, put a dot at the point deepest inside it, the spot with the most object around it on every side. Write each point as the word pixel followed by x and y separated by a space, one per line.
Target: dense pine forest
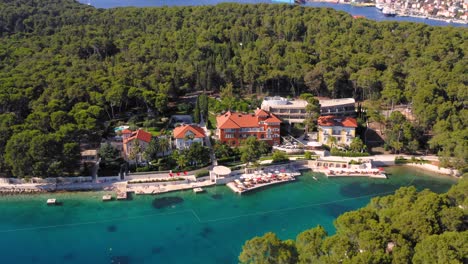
pixel 405 227
pixel 67 69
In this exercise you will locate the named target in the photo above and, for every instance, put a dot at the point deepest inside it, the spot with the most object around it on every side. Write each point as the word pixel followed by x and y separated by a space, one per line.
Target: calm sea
pixel 200 228
pixel 368 12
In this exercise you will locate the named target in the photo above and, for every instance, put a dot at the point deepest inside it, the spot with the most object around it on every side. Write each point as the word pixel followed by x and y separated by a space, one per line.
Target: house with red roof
pixel 129 141
pixel 341 128
pixel 186 135
pixel 234 127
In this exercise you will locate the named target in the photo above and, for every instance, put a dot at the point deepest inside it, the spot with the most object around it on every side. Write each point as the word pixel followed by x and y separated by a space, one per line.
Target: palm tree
pixel 332 141
pixel 164 145
pixel 136 151
pixel 182 161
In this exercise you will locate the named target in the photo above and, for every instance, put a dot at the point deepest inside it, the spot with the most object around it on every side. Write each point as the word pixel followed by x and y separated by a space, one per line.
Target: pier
pixel 339 167
pixel 255 181
pixel 121 189
pixel 164 187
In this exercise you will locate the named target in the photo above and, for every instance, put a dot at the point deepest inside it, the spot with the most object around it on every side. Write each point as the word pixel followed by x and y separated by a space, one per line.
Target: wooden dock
pixel 121 191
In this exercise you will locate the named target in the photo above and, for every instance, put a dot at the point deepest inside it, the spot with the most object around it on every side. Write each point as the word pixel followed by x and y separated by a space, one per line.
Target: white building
pixel 343 129
pixel 294 111
pixel 186 135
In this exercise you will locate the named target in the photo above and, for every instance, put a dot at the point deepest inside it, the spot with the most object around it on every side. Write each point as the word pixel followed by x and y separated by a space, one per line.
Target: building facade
pixel 294 111
pixel 186 135
pixel 234 127
pixel 129 143
pixel 338 107
pixel 343 129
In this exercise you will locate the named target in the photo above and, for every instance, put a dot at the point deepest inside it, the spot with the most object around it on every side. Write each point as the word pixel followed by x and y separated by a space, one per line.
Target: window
pixel 229 136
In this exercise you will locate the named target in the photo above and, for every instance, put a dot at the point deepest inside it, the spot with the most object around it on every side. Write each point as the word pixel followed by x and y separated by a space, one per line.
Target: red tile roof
pixel 234 120
pixel 181 131
pixel 337 121
pixel 139 134
pixel 261 112
pixel 272 119
pixel 127 131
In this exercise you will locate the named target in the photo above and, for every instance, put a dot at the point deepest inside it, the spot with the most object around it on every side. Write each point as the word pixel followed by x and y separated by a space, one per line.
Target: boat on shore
pixel 388 12
pixel 379 6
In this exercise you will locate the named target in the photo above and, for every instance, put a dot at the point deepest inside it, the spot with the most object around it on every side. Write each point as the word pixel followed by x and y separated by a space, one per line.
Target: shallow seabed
pixel 195 228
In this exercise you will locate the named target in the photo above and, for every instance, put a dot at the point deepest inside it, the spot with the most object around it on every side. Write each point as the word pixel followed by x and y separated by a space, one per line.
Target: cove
pixel 369 12
pixel 195 228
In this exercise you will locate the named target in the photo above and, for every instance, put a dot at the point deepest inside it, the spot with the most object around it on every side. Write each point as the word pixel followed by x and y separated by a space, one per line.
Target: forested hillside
pixel 66 68
pixel 406 227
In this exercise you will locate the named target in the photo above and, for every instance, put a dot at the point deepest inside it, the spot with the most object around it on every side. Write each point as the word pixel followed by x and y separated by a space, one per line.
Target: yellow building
pixel 343 129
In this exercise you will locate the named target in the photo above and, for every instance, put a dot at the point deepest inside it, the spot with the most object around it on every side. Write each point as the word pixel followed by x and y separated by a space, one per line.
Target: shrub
pixel 279 156
pixel 202 173
pixel 155 180
pixel 336 152
pixel 144 169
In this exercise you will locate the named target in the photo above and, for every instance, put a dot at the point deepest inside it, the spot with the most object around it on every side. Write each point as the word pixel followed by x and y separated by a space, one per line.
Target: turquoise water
pixel 204 228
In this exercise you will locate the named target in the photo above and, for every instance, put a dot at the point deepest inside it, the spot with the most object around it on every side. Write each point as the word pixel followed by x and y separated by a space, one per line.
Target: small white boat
pixel 198 190
pixel 51 201
pixel 315 178
pixel 107 197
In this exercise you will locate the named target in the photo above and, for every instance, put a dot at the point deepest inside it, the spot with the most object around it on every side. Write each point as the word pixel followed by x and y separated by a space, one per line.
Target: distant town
pixel 449 11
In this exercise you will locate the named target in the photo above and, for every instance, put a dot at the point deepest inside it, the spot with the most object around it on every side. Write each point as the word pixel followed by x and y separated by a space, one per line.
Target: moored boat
pixel 388 12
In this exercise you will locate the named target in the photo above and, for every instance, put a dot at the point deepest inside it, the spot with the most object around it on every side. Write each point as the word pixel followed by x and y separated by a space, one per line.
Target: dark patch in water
pixel 264 217
pixel 111 228
pixel 335 209
pixel 68 256
pixel 206 231
pixel 360 189
pixel 157 250
pixel 235 206
pixel 159 203
pixel 435 186
pixel 217 196
pixel 120 260
pixel 178 228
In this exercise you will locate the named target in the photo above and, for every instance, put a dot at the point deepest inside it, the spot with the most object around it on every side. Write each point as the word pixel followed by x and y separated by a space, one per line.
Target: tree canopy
pixel 405 227
pixel 67 68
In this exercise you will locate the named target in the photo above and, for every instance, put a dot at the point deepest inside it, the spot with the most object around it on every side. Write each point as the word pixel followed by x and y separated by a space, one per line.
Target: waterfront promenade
pixel 191 182
pixel 152 188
